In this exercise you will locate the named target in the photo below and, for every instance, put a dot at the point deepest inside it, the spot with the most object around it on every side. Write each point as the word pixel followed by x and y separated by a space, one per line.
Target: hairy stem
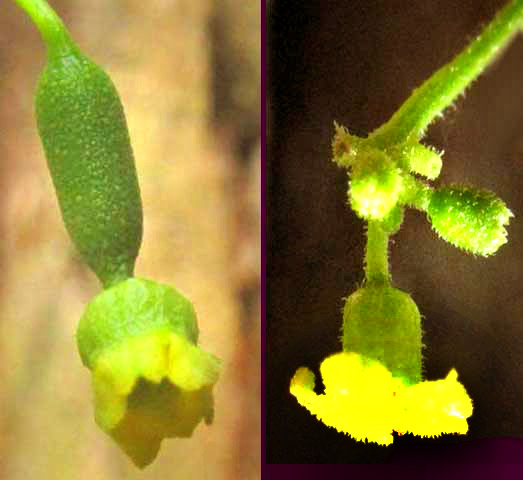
pixel 443 87
pixel 53 31
pixel 416 193
pixel 377 254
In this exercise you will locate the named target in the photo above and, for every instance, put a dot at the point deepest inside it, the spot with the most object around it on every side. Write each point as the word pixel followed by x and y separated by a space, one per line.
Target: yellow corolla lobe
pixel 363 399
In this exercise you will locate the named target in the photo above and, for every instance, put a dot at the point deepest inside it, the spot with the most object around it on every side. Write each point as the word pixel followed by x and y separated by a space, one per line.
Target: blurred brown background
pixel 188 72
pixel 356 62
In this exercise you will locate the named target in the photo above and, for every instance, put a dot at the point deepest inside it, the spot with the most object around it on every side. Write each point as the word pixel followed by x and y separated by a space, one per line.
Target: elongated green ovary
pixel 82 126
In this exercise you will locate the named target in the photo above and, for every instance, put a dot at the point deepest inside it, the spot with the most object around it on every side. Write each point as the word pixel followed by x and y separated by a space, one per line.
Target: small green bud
pixel 375 185
pixel 150 379
pixel 417 158
pixel 469 218
pixel 383 323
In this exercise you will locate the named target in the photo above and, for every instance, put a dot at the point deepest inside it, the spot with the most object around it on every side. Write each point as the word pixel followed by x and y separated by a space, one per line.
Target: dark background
pixel 356 62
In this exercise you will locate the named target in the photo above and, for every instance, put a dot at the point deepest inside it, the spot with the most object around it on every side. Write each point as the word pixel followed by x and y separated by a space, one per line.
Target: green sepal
pixel 150 379
pixel 469 218
pixel 384 324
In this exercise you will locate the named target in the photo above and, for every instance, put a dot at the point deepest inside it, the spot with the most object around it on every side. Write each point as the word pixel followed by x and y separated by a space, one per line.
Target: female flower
pixel 150 379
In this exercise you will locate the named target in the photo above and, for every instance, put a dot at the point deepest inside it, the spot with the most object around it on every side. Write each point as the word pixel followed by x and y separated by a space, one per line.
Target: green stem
pixel 53 31
pixel 377 254
pixel 441 89
pixel 416 193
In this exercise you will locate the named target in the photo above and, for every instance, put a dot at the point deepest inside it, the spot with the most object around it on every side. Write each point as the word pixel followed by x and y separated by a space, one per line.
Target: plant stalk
pixel 51 27
pixel 377 254
pixel 444 86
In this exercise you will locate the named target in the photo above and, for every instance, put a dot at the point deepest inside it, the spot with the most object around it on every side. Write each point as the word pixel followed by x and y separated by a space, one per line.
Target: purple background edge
pixel 263 232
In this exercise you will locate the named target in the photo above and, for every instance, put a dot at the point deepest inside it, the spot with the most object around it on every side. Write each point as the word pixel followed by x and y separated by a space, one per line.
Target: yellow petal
pixel 151 387
pixel 432 408
pixel 363 400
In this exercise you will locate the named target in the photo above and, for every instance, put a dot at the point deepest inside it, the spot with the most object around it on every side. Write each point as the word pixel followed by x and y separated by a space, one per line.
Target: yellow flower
pixel 364 400
pixel 150 379
pixel 152 387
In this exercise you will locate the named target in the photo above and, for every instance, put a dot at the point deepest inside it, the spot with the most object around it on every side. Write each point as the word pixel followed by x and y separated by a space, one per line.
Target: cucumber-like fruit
pixel 82 126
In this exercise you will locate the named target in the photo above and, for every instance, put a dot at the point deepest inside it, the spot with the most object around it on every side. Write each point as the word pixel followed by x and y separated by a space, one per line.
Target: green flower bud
pixel 375 185
pixel 417 158
pixel 469 218
pixel 150 379
pixel 383 323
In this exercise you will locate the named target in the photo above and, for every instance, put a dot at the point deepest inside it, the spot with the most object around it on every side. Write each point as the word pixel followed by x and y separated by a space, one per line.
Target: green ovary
pixel 84 134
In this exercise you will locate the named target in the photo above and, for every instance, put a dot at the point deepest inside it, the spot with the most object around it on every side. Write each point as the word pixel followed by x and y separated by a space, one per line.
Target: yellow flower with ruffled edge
pixel 150 379
pixel 432 408
pixel 364 400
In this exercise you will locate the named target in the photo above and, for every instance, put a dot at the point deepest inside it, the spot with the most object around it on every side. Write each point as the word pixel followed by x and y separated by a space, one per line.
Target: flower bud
pixel 375 185
pixel 150 379
pixel 417 158
pixel 384 324
pixel 469 218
